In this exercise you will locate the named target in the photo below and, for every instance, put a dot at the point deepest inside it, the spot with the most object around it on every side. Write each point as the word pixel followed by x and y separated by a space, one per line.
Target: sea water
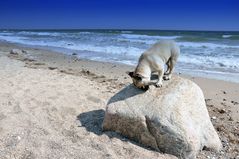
pixel 203 53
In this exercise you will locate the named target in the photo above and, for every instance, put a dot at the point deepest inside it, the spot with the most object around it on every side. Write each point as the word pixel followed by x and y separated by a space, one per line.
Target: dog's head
pixel 138 81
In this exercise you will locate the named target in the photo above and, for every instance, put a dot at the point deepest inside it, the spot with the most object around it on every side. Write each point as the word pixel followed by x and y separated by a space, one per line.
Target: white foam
pixel 149 42
pixel 39 33
pixel 205 45
pixel 60 34
pixel 226 36
pixel 226 76
pixel 209 61
pixel 15 39
pixel 126 51
pixel 126 31
pixel 146 39
pixel 137 36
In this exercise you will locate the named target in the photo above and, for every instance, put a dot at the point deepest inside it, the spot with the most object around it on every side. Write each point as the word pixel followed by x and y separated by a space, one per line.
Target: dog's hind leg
pixel 172 61
pixel 160 77
pixel 168 66
pixel 171 68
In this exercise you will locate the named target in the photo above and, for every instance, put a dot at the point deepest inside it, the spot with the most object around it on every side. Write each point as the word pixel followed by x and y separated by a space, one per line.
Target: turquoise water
pixel 208 53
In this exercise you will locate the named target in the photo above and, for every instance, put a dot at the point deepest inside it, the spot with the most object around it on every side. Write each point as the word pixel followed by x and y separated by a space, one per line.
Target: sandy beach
pixel 52 106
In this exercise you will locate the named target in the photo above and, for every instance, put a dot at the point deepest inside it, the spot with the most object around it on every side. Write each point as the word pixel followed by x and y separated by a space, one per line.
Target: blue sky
pixel 120 14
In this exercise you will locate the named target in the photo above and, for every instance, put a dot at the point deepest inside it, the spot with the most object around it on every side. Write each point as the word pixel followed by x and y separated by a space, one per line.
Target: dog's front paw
pixel 159 84
pixel 166 77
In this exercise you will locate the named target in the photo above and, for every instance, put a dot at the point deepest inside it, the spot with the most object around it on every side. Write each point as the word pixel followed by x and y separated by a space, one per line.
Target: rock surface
pixel 172 119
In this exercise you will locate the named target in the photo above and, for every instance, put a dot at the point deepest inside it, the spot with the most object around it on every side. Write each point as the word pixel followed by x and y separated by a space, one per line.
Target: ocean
pixel 203 53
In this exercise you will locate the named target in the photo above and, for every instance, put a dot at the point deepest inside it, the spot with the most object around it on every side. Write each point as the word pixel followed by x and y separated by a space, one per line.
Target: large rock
pixel 172 119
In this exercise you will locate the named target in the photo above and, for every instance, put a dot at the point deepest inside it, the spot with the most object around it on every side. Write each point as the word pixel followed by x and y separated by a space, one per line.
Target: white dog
pixel 153 60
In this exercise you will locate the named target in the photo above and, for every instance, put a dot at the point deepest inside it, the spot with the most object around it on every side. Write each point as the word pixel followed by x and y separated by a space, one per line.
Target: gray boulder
pixel 172 119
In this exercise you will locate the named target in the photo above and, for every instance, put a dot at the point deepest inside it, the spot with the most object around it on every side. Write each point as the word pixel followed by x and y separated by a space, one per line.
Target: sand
pixel 52 106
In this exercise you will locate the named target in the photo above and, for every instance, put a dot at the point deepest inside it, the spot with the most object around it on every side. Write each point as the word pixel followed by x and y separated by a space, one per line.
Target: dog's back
pixel 165 49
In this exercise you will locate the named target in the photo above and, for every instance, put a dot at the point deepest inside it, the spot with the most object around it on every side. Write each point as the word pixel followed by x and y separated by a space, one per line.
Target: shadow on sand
pixel 93 120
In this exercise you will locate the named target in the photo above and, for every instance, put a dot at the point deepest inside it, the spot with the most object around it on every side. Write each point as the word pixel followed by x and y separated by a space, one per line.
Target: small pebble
pixel 214 117
pixel 222 111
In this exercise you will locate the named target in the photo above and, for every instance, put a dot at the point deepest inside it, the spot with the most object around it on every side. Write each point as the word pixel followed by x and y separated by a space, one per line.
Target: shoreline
pixel 54 97
pixel 213 75
pixel 85 62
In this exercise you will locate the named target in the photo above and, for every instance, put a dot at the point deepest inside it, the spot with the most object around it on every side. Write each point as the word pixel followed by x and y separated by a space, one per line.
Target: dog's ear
pixel 131 74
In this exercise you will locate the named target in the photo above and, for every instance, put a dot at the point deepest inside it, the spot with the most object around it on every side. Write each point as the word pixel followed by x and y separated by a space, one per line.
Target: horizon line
pixel 125 29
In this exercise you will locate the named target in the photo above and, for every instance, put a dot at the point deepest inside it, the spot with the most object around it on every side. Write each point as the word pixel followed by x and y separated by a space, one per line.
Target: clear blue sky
pixel 120 14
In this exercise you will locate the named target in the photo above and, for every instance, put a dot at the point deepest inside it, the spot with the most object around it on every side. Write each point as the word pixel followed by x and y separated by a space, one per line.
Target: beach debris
pixel 230 118
pixel 52 68
pixel 15 52
pixel 67 72
pixel 220 128
pixel 235 103
pixel 157 119
pixel 224 104
pixel 207 100
pixel 224 92
pixel 24 51
pixel 38 63
pixel 28 59
pixel 73 54
pixel 233 138
pixel 221 111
